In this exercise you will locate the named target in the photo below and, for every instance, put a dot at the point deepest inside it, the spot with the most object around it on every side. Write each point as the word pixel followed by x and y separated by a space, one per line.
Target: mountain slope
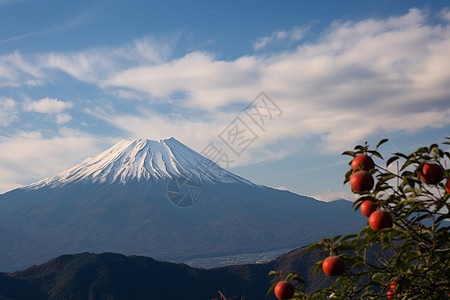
pixel 110 203
pixel 114 276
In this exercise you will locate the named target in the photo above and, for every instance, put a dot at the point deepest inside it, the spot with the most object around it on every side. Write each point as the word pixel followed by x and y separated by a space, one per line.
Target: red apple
pixel 393 285
pixel 362 162
pixel 367 208
pixel 447 186
pixel 333 266
pixel 431 173
pixel 361 181
pixel 284 290
pixel 380 219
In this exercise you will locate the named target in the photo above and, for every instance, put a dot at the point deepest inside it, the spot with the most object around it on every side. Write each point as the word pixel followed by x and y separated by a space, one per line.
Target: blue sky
pixel 76 77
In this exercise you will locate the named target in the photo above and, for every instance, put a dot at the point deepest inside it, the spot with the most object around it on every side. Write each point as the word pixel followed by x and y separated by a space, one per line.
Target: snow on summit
pixel 143 160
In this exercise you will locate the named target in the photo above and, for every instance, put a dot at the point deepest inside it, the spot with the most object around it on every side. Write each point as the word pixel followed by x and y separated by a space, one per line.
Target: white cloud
pixel 63 118
pixel 127 94
pixel 207 82
pixel 329 196
pixel 156 126
pixel 356 80
pixel 282 187
pixel 34 82
pixel 359 79
pixel 197 132
pixel 47 106
pixel 295 34
pixel 26 157
pixel 444 14
pixel 8 111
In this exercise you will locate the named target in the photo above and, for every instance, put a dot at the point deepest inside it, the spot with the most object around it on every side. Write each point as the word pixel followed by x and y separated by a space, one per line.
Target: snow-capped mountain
pixel 143 160
pixel 159 199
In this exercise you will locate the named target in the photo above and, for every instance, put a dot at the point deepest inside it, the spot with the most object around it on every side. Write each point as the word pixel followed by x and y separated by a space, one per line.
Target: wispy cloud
pixel 295 34
pixel 8 112
pixel 57 28
pixel 445 14
pixel 16 71
pixel 97 64
pixel 92 66
pixel 85 66
pixel 6 2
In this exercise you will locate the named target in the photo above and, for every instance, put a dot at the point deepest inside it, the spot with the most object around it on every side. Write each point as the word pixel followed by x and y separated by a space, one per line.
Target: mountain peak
pixel 143 160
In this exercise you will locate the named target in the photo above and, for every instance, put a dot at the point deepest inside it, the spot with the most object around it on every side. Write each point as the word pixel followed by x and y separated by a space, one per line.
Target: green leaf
pixel 391 160
pixel 270 291
pixel 312 247
pixel 349 153
pixel 296 277
pixel 407 163
pixel 411 182
pixel 387 177
pixel 385 247
pixel 348 236
pixel 443 217
pixel 422 150
pixel 381 142
pixel 434 147
pixel 401 155
pixel 375 153
pixel 318 267
pixel 348 175
pixel 334 239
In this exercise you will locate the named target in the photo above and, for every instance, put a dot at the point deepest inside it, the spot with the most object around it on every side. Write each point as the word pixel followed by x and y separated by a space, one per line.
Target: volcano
pixel 159 199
